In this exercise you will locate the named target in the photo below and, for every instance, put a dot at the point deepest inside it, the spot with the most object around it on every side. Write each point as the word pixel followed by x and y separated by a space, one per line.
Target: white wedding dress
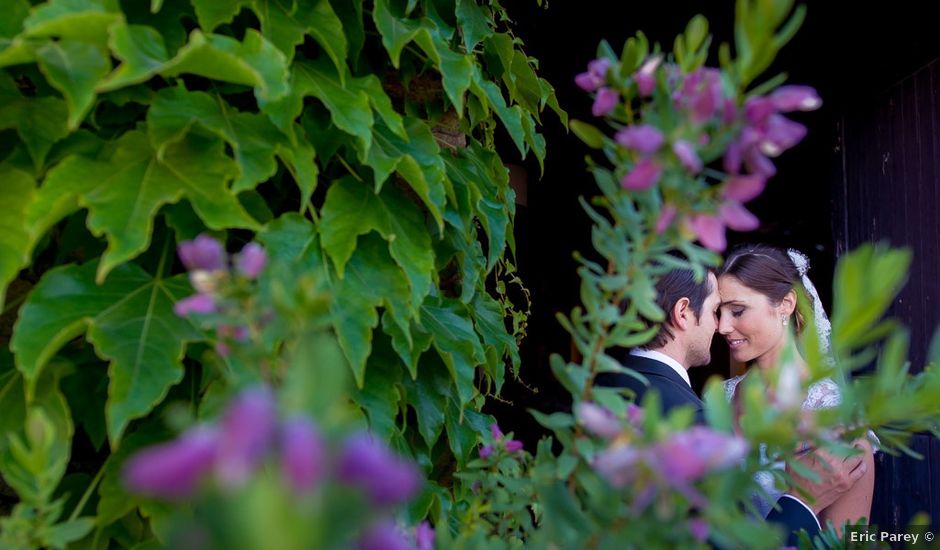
pixel 821 395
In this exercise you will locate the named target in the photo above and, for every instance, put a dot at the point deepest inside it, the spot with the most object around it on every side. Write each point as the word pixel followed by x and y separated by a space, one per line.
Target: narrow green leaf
pixel 588 133
pixel 396 33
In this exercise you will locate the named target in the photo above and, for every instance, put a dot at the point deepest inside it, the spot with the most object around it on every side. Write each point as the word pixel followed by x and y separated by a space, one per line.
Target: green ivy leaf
pixel 11 24
pixel 39 122
pixel 254 139
pixel 142 52
pixel 130 321
pixel 380 394
pixel 74 68
pixel 12 397
pixel 352 209
pixel 16 193
pixel 371 280
pixel 456 69
pixel 417 160
pixel 490 324
pixel 350 14
pixel 396 32
pixel 81 20
pixel 124 192
pixel 474 23
pixel 409 344
pixel 427 395
pixel 511 117
pixel 212 13
pixel 448 321
pixel 463 430
pixel 254 62
pixel 114 500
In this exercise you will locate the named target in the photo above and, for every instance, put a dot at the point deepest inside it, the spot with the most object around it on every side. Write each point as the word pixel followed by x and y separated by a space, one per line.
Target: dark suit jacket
pixel 674 392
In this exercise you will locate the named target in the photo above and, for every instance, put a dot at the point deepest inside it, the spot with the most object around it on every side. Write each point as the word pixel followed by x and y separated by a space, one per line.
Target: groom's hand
pixel 836 475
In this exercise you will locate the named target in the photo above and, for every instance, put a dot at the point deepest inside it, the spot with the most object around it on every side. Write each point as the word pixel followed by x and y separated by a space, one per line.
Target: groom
pixel 684 341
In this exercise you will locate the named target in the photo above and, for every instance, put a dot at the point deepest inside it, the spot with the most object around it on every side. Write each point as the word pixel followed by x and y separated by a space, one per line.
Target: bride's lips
pixel 735 343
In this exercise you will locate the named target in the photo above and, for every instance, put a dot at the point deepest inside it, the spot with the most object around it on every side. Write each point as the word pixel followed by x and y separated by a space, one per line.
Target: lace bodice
pixel 821 395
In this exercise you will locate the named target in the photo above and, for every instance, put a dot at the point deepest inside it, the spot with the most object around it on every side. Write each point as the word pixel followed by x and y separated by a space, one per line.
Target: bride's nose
pixel 724 325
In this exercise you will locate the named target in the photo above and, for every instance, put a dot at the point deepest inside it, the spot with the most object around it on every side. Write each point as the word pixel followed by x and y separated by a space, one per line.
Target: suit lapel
pixel 651 367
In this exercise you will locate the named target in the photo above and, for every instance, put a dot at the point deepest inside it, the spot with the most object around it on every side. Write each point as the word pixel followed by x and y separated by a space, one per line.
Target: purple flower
pixel 486 451
pixel 618 464
pixel 698 527
pixel 303 458
pixel 701 93
pixel 737 217
pixel 795 98
pixel 635 414
pixel 782 133
pixel 685 151
pixel 386 478
pixel 203 253
pixel 495 431
pixel 757 110
pixel 251 260
pixel 757 163
pixel 645 77
pixel 237 332
pixel 197 303
pixel 732 158
pixel 595 77
pixel 605 101
pixel 513 446
pixel 709 230
pixel 643 138
pixel 743 188
pixel 172 470
pixel 424 536
pixel 687 456
pixel 598 420
pixel 248 428
pixel 384 535
pixel 643 176
pixel 666 215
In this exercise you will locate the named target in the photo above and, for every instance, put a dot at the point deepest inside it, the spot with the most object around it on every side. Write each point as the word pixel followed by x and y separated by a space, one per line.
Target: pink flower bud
pixel 795 98
pixel 737 217
pixel 605 101
pixel 384 535
pixel 643 138
pixel 251 260
pixel 686 154
pixel 709 230
pixel 387 479
pixel 486 451
pixel 666 215
pixel 743 188
pixel 303 457
pixel 172 470
pixel 424 536
pixel 203 253
pixel 598 420
pixel 496 432
pixel 513 446
pixel 197 303
pixel 643 176
pixel 248 428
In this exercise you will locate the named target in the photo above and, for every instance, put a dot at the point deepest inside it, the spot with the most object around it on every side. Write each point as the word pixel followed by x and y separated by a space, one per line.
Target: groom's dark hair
pixel 672 287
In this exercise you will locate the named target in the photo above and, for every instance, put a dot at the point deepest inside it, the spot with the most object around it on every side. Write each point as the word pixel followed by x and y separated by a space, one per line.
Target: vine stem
pixel 91 486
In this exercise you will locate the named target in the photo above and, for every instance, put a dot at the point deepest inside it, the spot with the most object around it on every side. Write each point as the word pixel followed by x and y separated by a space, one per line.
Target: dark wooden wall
pixel 888 188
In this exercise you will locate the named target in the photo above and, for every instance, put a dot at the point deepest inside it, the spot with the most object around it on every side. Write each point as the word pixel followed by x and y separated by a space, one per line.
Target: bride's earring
pixel 785 320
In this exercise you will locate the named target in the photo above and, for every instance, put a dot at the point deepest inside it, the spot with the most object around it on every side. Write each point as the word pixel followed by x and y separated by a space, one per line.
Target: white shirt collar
pixel 663 358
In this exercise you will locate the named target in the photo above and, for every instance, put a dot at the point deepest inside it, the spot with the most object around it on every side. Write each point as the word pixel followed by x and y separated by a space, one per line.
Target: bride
pixel 758 286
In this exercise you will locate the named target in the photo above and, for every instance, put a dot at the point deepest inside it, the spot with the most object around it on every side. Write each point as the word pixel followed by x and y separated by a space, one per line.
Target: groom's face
pixel 701 333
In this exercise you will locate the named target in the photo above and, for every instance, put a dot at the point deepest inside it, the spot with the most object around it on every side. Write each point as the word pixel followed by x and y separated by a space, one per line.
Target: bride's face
pixel 749 322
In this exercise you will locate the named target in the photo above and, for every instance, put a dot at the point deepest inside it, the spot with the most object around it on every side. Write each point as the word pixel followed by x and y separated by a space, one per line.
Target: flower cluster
pixel 250 433
pixel 499 444
pixel 708 124
pixel 209 271
pixel 675 463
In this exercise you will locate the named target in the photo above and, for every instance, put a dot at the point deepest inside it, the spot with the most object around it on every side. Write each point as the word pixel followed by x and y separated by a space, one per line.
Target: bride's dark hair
pixel 768 270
